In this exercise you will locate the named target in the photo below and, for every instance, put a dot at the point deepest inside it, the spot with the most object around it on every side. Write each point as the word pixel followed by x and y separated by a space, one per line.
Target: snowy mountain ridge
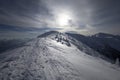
pixel 66 39
pixel 55 56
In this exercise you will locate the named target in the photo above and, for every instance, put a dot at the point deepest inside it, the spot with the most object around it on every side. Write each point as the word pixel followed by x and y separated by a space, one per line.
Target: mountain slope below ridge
pixel 112 40
pixel 106 44
pixel 52 59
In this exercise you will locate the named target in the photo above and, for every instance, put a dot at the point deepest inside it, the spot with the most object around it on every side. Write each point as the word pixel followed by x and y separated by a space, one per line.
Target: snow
pixel 47 59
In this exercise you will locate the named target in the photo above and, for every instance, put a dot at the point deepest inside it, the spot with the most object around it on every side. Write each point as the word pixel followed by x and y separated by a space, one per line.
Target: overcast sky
pixel 81 16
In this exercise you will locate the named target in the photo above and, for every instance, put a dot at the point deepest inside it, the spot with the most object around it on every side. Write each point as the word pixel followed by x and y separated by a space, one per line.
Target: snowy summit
pixel 56 56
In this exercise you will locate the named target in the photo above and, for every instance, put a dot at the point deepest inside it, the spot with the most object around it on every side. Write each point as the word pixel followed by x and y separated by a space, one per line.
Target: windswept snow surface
pixel 47 59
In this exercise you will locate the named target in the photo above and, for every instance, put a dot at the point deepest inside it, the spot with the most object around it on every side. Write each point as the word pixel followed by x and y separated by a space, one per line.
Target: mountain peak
pixel 48 33
pixel 57 36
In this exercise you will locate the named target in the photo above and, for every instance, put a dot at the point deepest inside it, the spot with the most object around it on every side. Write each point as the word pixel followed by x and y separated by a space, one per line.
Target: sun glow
pixel 63 19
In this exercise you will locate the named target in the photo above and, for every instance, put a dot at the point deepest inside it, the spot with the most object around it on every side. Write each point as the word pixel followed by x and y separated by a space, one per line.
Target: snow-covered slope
pixel 107 45
pixel 54 57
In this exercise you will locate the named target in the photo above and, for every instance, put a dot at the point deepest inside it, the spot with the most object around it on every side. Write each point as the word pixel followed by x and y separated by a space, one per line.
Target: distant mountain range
pixel 6 44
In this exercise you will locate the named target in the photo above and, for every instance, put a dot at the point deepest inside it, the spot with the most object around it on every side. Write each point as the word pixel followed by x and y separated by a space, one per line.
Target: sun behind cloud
pixel 63 19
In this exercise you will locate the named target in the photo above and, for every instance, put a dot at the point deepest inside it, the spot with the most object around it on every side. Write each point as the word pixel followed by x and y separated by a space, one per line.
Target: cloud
pixel 87 16
pixel 23 13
